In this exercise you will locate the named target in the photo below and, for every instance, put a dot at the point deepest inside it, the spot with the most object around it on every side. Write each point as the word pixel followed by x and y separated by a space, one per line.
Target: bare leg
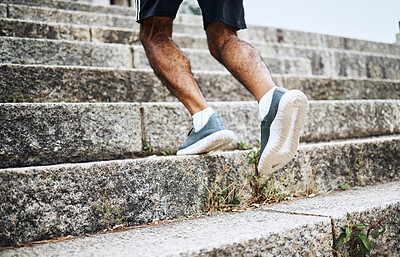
pixel 169 63
pixel 241 59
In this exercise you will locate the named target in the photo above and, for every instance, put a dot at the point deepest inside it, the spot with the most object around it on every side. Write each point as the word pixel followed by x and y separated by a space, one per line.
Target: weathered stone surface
pixel 110 35
pixel 191 25
pixel 370 66
pixel 57 52
pixel 323 167
pixel 39 134
pixel 360 45
pixel 300 38
pixel 3 11
pixel 75 17
pixel 252 233
pixel 340 88
pixel 47 144
pixel 83 84
pixel 335 63
pixel 326 120
pixel 18 28
pixel 202 60
pixel 66 200
pixel 74 6
pixel 79 84
pixel 320 58
pixel 323 61
pixel 364 205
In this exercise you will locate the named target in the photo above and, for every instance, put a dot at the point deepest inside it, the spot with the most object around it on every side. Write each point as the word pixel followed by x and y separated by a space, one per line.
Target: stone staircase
pixel 81 111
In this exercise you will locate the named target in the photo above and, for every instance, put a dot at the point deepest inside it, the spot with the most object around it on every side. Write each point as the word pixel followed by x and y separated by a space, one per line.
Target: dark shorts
pixel 230 12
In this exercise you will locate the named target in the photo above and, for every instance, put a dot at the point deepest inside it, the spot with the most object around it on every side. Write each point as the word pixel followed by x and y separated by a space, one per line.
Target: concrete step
pixel 36 83
pixel 74 6
pixel 334 62
pixel 43 30
pixel 32 13
pixel 363 205
pixel 192 25
pixel 252 233
pixel 323 62
pixel 39 134
pixel 62 200
pixel 327 62
pixel 302 38
pixel 60 52
pixel 326 120
pixel 273 232
pixel 29 29
pixel 202 60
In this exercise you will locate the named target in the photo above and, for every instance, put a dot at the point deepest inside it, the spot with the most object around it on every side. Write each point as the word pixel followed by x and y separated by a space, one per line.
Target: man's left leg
pixel 282 112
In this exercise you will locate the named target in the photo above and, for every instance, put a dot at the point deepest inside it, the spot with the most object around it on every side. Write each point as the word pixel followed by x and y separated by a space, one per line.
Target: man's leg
pixel 282 112
pixel 241 59
pixel 173 68
pixel 169 63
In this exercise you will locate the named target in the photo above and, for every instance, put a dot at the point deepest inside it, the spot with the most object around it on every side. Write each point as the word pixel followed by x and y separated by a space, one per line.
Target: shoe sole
pixel 285 130
pixel 212 142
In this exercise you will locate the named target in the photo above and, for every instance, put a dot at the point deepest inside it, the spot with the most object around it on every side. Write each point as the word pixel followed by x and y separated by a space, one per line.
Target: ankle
pixel 201 118
pixel 265 103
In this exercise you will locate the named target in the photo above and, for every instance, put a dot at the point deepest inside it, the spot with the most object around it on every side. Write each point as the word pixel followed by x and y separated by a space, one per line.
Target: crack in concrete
pixel 313 215
pixel 142 125
pixel 90 35
pixel 297 213
pixel 8 11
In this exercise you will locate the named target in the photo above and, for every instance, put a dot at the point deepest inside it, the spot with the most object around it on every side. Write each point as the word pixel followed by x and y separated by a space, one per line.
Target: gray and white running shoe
pixel 212 136
pixel 280 129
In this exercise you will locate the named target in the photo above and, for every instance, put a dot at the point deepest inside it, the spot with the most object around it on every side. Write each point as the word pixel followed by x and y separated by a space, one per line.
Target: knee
pixel 148 39
pixel 218 47
pixel 215 49
pixel 218 37
pixel 155 30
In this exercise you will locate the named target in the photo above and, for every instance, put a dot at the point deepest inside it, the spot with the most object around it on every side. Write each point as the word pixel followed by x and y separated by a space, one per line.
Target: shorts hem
pixel 157 14
pixel 233 23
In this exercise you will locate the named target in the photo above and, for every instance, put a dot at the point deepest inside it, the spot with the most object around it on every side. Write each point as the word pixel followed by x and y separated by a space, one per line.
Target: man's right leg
pixel 169 63
pixel 173 69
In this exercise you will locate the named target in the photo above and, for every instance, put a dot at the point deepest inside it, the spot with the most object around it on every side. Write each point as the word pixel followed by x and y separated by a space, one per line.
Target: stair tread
pixel 74 132
pixel 274 232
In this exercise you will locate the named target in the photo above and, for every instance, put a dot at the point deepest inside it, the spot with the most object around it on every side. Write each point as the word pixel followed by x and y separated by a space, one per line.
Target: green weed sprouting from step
pixel 244 145
pixel 112 218
pixel 14 99
pixel 356 235
pixel 343 187
pixel 253 156
pixel 148 148
pixel 222 197
pixel 264 190
pixel 167 152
